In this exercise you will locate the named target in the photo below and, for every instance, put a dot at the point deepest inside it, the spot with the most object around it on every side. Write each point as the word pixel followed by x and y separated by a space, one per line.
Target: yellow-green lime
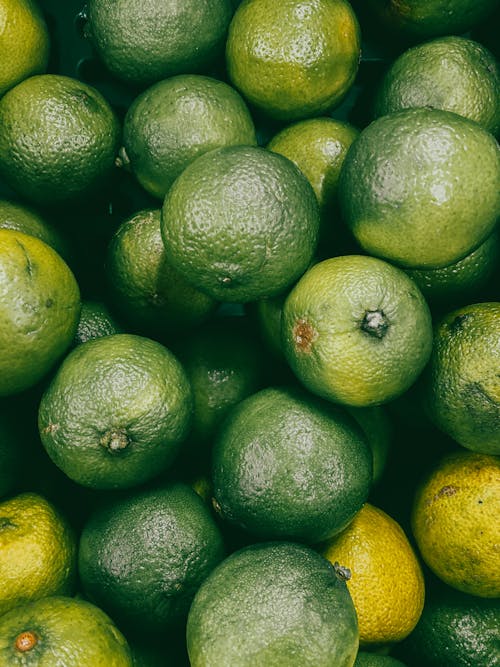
pixel 37 551
pixel 451 73
pixel 143 41
pixel 24 42
pixel 142 558
pixel 39 310
pixel 61 631
pixel 455 522
pixel 356 330
pixel 287 465
pixel 421 187
pixel 240 223
pixel 175 121
pixel 116 412
pixel 58 139
pixel 292 59
pixel 273 604
pixel 150 295
pixel 462 382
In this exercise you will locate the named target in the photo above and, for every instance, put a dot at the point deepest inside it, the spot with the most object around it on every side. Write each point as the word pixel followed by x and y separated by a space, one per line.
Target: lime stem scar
pixel 115 440
pixel 375 323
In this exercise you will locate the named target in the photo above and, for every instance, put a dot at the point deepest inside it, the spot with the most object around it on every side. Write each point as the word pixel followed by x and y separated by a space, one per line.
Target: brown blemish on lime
pixel 26 641
pixel 51 428
pixel 304 335
pixel 115 440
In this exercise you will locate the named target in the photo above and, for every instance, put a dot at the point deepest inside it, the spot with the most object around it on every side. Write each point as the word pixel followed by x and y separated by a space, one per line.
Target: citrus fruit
pixel 288 465
pixel 61 631
pixel 178 119
pixel 421 187
pixel 356 330
pixel 21 218
pixel 386 583
pixel 143 557
pixel 143 41
pixel 454 520
pixel 39 309
pixel 144 287
pixel 293 59
pixel 454 630
pixel 37 551
pixel 58 139
pixel 366 659
pixel 420 20
pixel 378 429
pixel 224 364
pixel 95 321
pixel 273 604
pixel 24 42
pixel 463 281
pixel 240 223
pixel 462 382
pixel 451 73
pixel 116 412
pixel 318 147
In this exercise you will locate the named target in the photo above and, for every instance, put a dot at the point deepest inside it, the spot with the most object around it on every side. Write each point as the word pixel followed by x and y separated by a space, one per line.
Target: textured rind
pixel 421 187
pixel 273 604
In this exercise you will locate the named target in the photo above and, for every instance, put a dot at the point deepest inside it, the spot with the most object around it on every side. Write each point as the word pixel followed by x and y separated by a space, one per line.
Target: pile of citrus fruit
pixel 249 333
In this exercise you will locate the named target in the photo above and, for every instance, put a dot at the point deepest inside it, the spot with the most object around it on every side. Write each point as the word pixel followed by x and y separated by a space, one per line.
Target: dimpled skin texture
pixel 143 558
pixel 273 604
pixel 293 59
pixel 387 583
pixel 421 187
pixel 240 223
pixel 462 390
pixel 451 73
pixel 69 632
pixel 178 119
pixel 143 41
pixel 58 138
pixel 112 389
pixel 287 465
pixel 455 519
pixel 326 346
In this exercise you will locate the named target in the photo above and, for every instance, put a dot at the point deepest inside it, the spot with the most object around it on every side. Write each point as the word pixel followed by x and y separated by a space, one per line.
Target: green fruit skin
pixel 178 119
pixel 143 558
pixel 365 659
pixel 454 630
pixel 421 187
pixel 122 386
pixel 276 604
pixel 288 465
pixel 249 231
pixel 95 321
pixel 69 632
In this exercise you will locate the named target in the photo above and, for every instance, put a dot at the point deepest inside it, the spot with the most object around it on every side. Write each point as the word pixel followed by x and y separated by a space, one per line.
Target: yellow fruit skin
pixel 24 42
pixel 455 522
pixel 293 59
pixel 386 584
pixel 37 551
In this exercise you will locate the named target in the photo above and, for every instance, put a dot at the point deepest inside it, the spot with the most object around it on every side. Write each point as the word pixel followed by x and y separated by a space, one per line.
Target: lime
pixel 240 223
pixel 116 412
pixel 95 321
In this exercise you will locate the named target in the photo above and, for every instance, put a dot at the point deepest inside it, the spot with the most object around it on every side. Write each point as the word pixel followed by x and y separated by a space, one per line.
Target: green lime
pixel 61 631
pixel 451 73
pixel 288 465
pixel 293 60
pixel 421 187
pixel 143 41
pixel 462 382
pixel 378 429
pixel 240 223
pixel 59 139
pixel 365 659
pixel 116 412
pixel 356 330
pixel 175 121
pixel 95 321
pixel 39 309
pixel 146 290
pixel 273 604
pixel 143 558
